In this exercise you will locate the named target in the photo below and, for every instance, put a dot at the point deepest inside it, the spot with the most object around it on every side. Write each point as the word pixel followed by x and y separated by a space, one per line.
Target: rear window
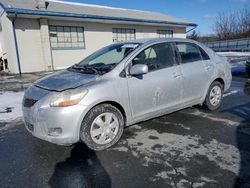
pixel 189 52
pixel 204 55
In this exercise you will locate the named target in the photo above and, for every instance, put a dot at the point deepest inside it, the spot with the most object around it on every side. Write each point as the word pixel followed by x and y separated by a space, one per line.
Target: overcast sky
pixel 202 12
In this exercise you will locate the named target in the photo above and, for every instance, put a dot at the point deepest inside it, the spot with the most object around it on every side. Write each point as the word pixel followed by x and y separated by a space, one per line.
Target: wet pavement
pixel 19 82
pixel 188 148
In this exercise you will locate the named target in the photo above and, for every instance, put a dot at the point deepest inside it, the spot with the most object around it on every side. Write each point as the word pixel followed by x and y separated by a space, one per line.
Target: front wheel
pixel 102 127
pixel 214 96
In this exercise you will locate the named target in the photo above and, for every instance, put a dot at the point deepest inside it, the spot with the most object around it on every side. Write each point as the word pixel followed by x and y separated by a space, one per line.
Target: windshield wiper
pixel 86 68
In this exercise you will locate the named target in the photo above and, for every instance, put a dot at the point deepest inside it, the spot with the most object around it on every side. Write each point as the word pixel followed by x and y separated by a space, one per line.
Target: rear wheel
pixel 102 127
pixel 214 96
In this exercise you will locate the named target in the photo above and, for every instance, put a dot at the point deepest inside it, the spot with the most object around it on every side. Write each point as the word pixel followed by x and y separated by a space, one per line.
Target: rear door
pixel 194 73
pixel 160 88
pixel 208 63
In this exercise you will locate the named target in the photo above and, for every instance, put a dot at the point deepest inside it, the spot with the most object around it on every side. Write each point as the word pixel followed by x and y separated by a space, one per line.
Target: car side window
pixel 204 55
pixel 156 57
pixel 189 52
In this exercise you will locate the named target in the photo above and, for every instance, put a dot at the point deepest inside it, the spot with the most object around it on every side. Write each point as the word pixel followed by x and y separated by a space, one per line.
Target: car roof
pixel 154 40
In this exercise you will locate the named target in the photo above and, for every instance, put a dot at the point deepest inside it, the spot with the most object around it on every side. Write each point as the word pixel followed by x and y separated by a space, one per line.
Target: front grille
pixel 29 102
pixel 32 95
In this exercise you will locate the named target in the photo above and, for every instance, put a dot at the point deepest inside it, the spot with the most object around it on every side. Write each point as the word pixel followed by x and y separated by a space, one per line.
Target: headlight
pixel 68 98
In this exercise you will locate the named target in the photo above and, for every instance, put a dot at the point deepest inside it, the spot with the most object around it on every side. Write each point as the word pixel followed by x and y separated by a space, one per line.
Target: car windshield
pixel 105 59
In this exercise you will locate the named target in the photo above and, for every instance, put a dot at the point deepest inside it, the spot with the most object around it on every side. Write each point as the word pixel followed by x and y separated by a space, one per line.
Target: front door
pixel 161 87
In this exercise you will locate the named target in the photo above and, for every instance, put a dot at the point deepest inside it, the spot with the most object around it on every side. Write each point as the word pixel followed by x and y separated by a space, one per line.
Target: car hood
pixel 64 80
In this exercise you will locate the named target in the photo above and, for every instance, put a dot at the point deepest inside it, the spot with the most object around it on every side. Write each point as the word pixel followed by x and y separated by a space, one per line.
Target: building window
pixel 66 37
pixel 165 33
pixel 123 34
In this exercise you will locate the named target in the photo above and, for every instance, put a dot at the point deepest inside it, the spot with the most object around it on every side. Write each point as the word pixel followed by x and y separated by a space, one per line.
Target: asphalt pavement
pixel 188 148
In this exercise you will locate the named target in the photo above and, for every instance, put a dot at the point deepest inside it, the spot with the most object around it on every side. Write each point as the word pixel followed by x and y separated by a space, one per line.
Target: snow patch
pixel 10 105
pixel 233 53
pixel 213 118
pixel 163 175
pixel 231 93
pixel 7 126
pixel 121 148
pixel 180 147
pixel 171 123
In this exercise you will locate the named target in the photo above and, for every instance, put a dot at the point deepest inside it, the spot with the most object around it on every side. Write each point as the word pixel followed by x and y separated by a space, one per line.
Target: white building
pixel 46 35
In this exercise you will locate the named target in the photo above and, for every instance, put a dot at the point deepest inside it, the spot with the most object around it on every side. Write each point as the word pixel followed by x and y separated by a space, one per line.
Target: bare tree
pixel 233 24
pixel 194 35
pixel 245 23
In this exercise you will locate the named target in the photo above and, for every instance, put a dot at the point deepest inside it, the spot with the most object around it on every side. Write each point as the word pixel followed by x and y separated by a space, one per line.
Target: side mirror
pixel 138 69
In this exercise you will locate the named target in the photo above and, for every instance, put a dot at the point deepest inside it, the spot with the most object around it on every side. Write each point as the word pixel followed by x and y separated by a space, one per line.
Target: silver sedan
pixel 123 84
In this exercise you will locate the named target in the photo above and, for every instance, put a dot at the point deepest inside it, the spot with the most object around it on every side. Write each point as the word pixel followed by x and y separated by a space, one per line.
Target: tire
pixel 102 127
pixel 213 101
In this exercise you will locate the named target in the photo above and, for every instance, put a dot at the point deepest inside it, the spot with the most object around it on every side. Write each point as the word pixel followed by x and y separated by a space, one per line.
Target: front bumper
pixel 41 121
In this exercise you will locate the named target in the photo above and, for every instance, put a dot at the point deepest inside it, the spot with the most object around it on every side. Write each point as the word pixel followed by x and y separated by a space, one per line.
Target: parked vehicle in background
pixel 248 66
pixel 238 60
pixel 247 87
pixel 123 84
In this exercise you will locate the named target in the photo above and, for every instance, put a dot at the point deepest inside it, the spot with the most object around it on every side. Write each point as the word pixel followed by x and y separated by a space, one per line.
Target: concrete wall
pixel 8 43
pixel 34 43
pixel 45 41
pixel 96 36
pixel 30 45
